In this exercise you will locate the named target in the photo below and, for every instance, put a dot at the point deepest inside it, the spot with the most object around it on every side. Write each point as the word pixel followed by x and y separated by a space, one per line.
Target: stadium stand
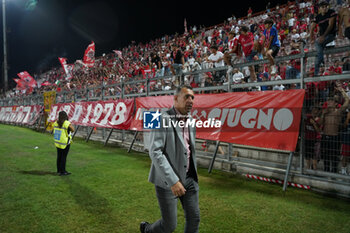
pixel 292 22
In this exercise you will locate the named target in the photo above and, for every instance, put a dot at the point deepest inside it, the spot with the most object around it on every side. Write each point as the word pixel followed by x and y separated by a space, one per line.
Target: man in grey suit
pixel 174 169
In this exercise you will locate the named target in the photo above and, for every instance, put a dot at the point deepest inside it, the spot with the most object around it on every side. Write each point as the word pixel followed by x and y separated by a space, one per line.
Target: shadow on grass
pixel 92 202
pixel 38 173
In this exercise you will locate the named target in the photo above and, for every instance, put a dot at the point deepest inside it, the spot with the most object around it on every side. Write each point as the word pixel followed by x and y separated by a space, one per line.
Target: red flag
pixel 29 80
pixel 17 80
pixel 148 73
pixel 119 53
pixel 68 68
pixel 21 85
pixel 46 83
pixel 63 61
pixel 89 55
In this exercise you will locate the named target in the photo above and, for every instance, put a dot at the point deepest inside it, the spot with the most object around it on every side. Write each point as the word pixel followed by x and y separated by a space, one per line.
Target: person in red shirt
pixel 282 34
pixel 337 68
pixel 246 41
pixel 250 11
pixel 259 45
pixel 232 49
pixel 303 26
pixel 312 138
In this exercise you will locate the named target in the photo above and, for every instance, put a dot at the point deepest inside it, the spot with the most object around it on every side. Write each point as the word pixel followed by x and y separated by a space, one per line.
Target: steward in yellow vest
pixel 61 134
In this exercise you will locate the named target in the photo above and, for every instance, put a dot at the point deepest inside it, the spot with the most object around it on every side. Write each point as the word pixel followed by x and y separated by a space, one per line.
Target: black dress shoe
pixel 143 226
pixel 65 173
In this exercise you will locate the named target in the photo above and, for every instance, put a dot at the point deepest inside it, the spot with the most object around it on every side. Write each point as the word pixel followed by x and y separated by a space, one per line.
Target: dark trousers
pixel 331 153
pixel 168 208
pixel 319 49
pixel 61 159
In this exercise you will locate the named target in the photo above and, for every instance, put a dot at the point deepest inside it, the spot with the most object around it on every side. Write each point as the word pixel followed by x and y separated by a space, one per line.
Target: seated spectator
pixel 237 77
pixel 326 20
pixel 232 55
pixel 276 77
pixel 304 35
pixel 253 79
pixel 263 76
pixel 295 37
pixel 293 67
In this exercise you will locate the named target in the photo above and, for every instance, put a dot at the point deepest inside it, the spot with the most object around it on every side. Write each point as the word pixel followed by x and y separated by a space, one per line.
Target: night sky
pixel 39 31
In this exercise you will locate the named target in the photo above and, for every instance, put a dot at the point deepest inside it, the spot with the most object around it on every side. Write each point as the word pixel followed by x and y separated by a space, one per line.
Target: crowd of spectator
pixel 307 25
pixel 234 41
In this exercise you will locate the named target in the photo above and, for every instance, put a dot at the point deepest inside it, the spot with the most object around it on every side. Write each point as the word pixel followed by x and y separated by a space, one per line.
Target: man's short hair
pixel 214 47
pixel 268 21
pixel 323 3
pixel 244 28
pixel 179 88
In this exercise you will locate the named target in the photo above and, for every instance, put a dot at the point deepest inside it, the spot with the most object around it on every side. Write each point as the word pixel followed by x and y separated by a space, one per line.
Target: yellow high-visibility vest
pixel 60 135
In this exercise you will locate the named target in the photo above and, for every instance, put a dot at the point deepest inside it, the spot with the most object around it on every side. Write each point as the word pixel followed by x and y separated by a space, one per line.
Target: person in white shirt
pixel 275 77
pixel 217 58
pixel 237 77
pixel 191 60
pixel 295 37
pixel 304 35
pixel 291 22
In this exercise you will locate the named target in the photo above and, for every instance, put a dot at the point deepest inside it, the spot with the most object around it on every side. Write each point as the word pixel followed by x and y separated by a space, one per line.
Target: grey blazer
pixel 168 154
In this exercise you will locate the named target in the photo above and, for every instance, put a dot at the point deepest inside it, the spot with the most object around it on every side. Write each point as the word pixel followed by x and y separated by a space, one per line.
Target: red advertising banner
pixel 106 114
pixel 20 114
pixel 267 119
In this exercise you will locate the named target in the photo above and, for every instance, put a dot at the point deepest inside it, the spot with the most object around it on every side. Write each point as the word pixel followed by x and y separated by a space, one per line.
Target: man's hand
pixel 178 189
